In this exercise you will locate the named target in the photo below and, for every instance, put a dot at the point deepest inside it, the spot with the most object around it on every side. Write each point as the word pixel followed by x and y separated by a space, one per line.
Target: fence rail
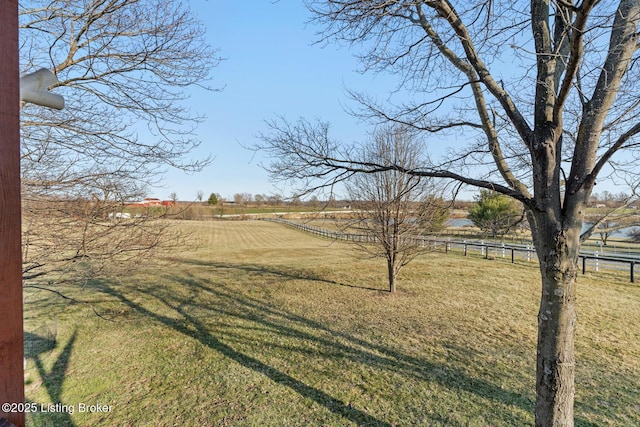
pixel 589 260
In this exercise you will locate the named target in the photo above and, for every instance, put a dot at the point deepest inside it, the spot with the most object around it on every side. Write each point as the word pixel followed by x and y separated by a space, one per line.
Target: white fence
pixel 590 261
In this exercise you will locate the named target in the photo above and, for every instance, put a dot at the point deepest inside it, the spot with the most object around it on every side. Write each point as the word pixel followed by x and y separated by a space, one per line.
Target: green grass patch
pixel 264 325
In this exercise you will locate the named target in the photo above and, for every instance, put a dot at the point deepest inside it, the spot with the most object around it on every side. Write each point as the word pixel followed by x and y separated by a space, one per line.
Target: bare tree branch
pixel 123 67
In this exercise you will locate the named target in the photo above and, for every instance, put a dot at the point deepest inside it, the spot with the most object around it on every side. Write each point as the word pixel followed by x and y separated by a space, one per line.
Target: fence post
pixel 503 250
pixel 465 247
pixel 584 264
pixel 528 253
pixel 631 271
pixel 595 254
pixel 482 248
pixel 513 258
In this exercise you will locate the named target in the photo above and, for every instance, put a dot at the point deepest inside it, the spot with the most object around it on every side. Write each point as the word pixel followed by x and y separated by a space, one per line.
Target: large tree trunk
pixel 558 250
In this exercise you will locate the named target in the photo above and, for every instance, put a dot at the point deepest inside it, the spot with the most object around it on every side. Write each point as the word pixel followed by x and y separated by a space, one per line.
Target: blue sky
pixel 271 68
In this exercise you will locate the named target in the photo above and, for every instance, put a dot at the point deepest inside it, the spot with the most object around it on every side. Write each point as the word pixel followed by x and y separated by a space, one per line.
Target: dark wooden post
pixel 631 271
pixel 11 332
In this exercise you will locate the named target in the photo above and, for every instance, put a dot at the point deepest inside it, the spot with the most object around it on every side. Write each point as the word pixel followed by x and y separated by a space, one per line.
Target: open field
pixel 202 211
pixel 264 325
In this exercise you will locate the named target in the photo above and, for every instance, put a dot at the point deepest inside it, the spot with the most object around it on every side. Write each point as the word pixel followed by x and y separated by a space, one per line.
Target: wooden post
pixel 11 329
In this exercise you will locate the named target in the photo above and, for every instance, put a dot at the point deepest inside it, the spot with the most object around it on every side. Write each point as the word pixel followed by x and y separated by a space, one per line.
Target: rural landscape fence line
pixel 589 260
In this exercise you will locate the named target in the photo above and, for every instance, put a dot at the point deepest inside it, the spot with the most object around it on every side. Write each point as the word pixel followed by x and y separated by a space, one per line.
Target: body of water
pixel 618 234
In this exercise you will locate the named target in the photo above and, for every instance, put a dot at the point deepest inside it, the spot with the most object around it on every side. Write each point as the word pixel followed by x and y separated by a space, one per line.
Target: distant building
pixel 151 202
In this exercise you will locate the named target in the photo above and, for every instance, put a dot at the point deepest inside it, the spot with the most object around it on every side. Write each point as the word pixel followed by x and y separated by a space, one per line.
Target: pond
pixel 623 233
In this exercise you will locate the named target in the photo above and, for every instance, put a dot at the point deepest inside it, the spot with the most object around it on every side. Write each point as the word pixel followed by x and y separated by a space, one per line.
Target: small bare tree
pixel 393 207
pixel 613 217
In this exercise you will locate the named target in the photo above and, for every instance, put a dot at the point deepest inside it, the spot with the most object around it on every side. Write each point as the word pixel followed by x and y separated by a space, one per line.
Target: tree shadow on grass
pixel 53 380
pixel 357 349
pixel 196 329
pixel 285 272
pixel 327 343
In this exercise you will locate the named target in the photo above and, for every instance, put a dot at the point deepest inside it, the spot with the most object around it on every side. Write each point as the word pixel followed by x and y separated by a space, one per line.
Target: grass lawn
pixel 264 325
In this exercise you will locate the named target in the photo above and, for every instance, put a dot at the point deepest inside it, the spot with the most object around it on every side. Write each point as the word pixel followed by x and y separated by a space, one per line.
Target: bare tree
pixel 546 123
pixel 610 225
pixel 242 199
pixel 606 229
pixel 634 234
pixel 393 207
pixel 613 218
pixel 79 240
pixel 123 67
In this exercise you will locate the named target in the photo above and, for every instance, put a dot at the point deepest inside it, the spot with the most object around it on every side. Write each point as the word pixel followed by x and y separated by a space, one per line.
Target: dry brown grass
pixel 265 325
